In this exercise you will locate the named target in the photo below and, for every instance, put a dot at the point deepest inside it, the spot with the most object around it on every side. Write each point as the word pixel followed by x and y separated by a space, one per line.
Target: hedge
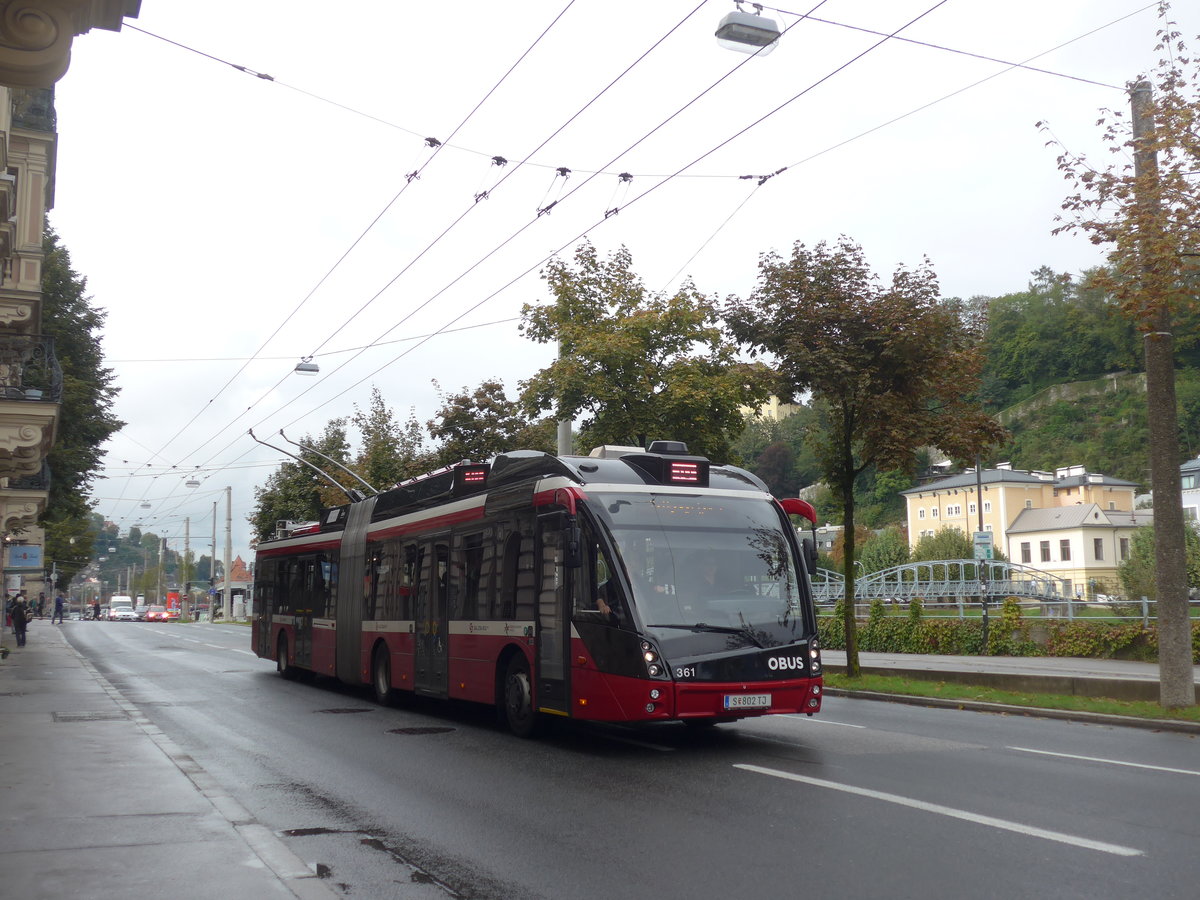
pixel 1008 635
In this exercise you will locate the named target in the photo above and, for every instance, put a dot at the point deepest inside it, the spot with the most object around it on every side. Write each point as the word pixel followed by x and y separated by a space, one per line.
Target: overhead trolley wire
pixel 436 146
pixel 467 210
pixel 1010 66
pixel 640 196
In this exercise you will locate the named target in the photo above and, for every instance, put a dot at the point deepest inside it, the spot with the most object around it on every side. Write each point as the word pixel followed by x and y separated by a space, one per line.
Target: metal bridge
pixel 946 580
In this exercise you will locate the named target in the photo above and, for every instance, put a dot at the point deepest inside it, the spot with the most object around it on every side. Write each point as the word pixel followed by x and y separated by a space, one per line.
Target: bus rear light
pixel 655 694
pixel 583 701
pixel 814 703
pixel 655 669
pixel 816 689
pixel 649 707
pixel 581 660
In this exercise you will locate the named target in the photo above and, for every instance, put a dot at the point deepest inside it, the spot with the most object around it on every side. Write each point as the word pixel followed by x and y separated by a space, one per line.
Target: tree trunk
pixel 1176 681
pixel 849 621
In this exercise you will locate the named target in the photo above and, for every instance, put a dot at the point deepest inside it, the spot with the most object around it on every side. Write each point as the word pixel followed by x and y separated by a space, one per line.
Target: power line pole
pixel 228 590
pixel 1176 683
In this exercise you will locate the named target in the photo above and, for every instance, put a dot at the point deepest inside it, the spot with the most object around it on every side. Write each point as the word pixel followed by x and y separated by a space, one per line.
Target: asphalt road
pixel 866 800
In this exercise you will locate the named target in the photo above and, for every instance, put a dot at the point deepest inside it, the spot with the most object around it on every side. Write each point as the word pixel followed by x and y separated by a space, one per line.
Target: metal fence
pixel 958 588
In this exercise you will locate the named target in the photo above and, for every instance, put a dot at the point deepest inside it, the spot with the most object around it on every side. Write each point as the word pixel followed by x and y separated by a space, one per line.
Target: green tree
pixel 884 550
pixel 638 365
pixel 1145 213
pixel 479 424
pixel 891 367
pixel 390 451
pixel 945 543
pixel 1137 572
pixel 85 419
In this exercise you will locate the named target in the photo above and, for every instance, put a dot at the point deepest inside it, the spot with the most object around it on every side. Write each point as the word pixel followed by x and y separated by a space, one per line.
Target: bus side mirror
pixel 572 549
pixel 810 555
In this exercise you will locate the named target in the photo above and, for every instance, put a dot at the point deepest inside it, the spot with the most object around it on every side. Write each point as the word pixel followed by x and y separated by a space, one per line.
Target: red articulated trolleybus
pixel 630 585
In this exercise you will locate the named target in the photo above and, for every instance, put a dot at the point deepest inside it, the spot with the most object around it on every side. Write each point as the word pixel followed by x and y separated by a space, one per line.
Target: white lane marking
pixel 1111 762
pixel 247 652
pixel 953 813
pixel 820 721
pixel 215 646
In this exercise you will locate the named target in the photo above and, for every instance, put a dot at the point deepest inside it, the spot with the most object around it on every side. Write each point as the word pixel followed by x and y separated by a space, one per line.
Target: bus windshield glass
pixel 707 563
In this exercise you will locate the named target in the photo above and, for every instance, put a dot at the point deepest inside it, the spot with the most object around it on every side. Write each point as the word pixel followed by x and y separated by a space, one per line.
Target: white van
pixel 120 608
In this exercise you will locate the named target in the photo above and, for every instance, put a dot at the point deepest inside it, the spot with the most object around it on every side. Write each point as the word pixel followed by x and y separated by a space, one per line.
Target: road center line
pixel 1111 762
pixel 949 811
pixel 817 721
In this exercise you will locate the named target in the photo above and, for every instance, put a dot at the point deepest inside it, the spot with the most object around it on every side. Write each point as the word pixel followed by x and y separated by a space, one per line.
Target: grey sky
pixel 205 204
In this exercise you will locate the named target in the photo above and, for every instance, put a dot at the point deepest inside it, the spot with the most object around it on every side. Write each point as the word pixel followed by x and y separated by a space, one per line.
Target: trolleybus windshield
pixel 715 564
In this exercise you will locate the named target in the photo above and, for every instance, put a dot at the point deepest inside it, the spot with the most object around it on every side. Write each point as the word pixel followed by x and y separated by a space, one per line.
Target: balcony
pixel 31 387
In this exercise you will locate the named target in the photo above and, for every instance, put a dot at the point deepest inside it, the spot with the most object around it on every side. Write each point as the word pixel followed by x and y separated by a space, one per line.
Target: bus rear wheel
pixel 281 659
pixel 516 698
pixel 381 677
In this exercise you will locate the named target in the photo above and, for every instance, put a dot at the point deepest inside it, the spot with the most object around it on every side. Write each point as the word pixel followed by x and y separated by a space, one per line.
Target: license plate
pixel 747 701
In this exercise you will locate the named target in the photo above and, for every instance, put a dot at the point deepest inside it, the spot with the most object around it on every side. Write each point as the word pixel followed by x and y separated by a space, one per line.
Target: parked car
pixel 156 614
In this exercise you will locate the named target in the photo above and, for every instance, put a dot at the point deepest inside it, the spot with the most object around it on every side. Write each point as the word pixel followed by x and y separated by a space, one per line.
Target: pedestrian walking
pixel 20 621
pixel 41 605
pixel 58 608
pixel 96 609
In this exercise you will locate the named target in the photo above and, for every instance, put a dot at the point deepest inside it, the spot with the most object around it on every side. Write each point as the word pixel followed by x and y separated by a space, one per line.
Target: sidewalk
pixel 95 802
pixel 1114 679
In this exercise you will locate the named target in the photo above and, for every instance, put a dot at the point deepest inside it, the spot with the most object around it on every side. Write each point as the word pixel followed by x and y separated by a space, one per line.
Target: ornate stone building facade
pixel 35 51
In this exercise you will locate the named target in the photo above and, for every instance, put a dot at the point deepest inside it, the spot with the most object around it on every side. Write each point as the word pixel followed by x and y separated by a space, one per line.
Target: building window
pixel 1189 512
pixel 1044 547
pixel 987 526
pixel 971 509
pixel 920 513
pixel 1112 504
pixel 934 512
pixel 1098 548
pixel 1187 482
pixel 1124 548
pixel 987 506
pixel 1064 550
pixel 955 510
pixel 1029 504
pixel 1026 555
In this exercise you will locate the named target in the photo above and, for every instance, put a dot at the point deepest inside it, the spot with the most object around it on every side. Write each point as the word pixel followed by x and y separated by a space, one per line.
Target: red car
pixel 156 614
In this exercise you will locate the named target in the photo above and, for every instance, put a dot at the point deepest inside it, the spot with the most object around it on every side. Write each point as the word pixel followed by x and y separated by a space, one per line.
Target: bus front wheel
pixel 516 698
pixel 381 677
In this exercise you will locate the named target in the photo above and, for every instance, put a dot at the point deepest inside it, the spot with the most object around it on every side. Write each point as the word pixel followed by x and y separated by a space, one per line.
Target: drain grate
pixel 340 712
pixel 89 716
pixel 428 729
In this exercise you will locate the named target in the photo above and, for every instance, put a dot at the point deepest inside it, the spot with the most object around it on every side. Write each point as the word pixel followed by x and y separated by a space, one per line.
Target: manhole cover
pixel 429 729
pixel 91 716
pixel 339 712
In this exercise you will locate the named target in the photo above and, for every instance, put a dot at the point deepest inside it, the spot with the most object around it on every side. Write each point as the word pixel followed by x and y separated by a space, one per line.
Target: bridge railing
pixel 952 587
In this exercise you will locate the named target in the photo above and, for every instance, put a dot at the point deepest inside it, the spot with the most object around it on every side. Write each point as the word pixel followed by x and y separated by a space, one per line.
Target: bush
pixel 1009 635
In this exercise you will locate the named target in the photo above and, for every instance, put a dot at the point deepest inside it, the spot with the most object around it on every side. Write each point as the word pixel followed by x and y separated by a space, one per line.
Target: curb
pixel 291 870
pixel 1037 712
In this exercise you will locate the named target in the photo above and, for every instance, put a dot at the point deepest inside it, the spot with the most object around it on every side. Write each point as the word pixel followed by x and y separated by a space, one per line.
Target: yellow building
pixel 953 502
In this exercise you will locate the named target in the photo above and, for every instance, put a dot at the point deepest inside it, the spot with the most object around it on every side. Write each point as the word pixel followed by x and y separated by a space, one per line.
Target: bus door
pixel 553 643
pixel 299 599
pixel 432 619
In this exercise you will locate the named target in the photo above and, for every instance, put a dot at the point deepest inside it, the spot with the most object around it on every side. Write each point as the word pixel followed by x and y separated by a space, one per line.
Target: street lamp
pixel 748 32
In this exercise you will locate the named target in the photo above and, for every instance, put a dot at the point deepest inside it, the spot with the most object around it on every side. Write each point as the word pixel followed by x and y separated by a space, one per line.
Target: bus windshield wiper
pixel 745 631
